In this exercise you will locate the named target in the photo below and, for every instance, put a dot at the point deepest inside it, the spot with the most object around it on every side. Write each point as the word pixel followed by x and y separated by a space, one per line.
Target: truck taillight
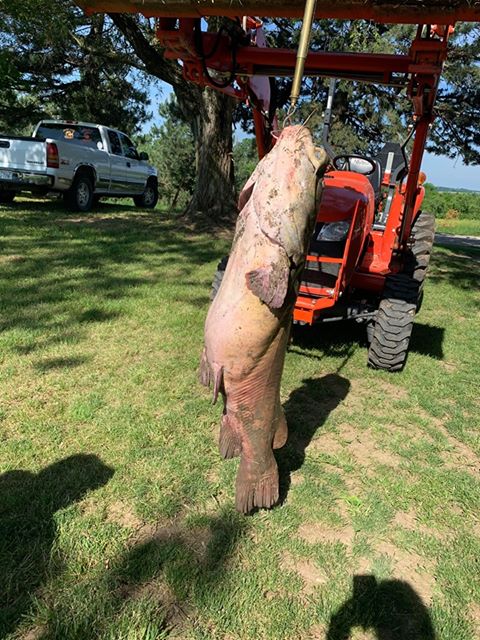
pixel 53 160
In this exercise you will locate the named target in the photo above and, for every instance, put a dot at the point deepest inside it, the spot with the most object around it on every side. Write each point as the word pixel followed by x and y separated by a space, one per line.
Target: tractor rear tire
pixel 394 323
pixel 217 280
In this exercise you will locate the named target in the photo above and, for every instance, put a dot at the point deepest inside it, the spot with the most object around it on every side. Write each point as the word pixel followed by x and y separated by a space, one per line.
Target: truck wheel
pixel 80 195
pixel 149 198
pixel 6 197
pixel 394 323
pixel 217 280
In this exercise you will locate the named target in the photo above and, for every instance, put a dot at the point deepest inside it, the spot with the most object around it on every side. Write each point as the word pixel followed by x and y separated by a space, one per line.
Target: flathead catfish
pixel 248 323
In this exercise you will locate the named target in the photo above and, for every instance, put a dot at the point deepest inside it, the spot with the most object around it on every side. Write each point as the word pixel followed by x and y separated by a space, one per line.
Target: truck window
pixel 115 145
pixel 72 133
pixel 129 149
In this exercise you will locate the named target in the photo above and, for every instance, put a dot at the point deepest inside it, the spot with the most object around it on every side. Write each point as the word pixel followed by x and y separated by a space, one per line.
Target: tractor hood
pixel 400 11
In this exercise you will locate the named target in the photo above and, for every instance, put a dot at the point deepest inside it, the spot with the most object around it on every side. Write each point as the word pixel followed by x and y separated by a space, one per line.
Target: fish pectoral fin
pixel 270 282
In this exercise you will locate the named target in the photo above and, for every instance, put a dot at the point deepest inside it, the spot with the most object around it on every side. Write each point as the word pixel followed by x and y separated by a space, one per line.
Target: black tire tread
pixel 421 242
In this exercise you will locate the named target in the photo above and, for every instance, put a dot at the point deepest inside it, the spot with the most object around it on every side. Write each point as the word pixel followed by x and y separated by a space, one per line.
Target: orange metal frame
pixel 390 12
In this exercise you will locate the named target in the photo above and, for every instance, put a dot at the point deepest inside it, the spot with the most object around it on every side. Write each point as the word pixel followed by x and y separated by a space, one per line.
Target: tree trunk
pixel 209 113
pixel 212 125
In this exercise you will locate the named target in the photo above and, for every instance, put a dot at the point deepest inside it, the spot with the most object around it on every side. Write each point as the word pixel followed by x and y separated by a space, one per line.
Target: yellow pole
pixel 302 52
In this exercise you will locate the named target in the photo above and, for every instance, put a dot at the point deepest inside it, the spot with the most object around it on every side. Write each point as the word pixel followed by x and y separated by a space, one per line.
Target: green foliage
pixel 171 149
pixel 73 69
pixel 245 158
pixel 444 203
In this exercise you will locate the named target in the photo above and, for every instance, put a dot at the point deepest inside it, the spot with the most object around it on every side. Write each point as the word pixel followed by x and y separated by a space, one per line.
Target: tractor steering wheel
pixel 355 163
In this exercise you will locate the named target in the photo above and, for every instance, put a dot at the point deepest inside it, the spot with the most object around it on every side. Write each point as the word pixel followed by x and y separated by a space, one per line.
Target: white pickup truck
pixel 83 161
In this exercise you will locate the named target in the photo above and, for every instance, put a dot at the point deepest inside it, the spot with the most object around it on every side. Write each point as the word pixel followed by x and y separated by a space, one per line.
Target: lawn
pixel 116 512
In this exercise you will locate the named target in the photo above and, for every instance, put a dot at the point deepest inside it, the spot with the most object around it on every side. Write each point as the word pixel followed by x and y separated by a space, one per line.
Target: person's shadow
pixel 28 502
pixel 306 411
pixel 391 608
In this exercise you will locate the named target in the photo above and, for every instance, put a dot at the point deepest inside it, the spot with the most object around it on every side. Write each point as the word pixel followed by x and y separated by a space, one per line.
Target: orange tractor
pixel 371 245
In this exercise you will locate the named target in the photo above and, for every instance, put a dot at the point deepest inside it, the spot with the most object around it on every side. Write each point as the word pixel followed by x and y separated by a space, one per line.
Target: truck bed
pixel 22 153
pixel 388 11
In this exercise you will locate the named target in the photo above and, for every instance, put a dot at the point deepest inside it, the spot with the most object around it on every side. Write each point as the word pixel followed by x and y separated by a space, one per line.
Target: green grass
pixel 116 513
pixel 458 227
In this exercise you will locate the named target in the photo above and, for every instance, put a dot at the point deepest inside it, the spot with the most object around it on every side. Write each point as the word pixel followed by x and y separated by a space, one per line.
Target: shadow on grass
pixel 391 608
pixel 457 266
pixel 341 339
pixel 29 502
pixel 61 271
pixel 168 575
pixel 50 364
pixel 306 411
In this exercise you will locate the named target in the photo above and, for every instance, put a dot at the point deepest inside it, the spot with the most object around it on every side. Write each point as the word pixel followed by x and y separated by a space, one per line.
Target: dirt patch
pixel 411 568
pixel 354 399
pixel 408 520
pixel 459 455
pixel 311 575
pixel 476 529
pixel 121 513
pixel 392 390
pixel 362 445
pixel 463 458
pixel 316 533
pixel 12 258
pixel 328 443
pixel 35 633
pixel 456 510
pixel 474 615
pixel 296 479
pixel 317 632
pixel 343 510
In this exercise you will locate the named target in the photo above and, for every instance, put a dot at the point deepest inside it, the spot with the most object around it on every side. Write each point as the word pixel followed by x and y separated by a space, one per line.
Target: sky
pixel 446 172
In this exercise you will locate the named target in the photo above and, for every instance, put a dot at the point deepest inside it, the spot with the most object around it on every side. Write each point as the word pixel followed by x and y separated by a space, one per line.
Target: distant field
pixel 116 512
pixel 458 227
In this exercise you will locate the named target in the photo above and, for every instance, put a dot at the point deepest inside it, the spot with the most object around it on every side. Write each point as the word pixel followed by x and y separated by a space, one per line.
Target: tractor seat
pixel 392 159
pixel 374 178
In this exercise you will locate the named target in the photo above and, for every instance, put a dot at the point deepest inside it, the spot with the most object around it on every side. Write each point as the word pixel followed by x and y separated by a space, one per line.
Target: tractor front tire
pixel 394 323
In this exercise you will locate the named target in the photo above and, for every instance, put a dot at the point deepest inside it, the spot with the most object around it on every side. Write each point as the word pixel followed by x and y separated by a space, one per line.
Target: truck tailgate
pixel 26 154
